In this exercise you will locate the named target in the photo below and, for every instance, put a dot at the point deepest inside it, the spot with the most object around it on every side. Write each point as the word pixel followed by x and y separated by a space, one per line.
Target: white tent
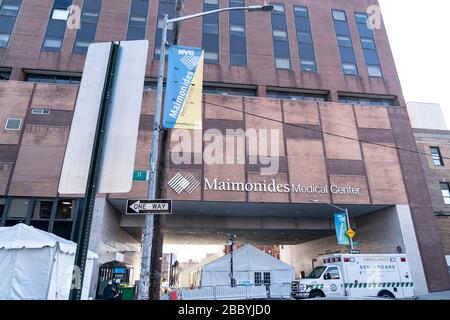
pixel 247 261
pixel 189 277
pixel 38 265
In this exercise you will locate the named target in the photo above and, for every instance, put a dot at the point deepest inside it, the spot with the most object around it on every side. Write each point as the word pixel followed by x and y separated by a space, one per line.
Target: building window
pixel 210 32
pixel 368 101
pixel 18 209
pixel 238 39
pixel 138 20
pixel 347 55
pixel 13 124
pixel 445 188
pixel 287 95
pixel 4 75
pixel 368 46
pixel 89 20
pixel 40 111
pixel 9 10
pixel 280 37
pixel 165 7
pixel 42 209
pixel 56 28
pixel 267 278
pixel 53 215
pixel 437 157
pixel 258 280
pixel 229 91
pixel 2 207
pixel 65 209
pixel 304 39
pixel 59 79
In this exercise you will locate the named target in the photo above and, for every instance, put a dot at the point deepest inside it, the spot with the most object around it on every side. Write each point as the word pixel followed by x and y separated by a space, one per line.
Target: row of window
pixel 367 101
pixel 233 91
pixel 137 22
pixel 438 161
pixel 305 41
pixel 53 215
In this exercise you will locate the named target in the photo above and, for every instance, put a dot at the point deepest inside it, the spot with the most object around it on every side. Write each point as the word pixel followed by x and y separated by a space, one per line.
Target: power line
pixel 325 132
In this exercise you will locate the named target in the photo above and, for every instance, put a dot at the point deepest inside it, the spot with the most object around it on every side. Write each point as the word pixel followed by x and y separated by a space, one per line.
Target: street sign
pixel 354 251
pixel 140 207
pixel 350 233
pixel 139 175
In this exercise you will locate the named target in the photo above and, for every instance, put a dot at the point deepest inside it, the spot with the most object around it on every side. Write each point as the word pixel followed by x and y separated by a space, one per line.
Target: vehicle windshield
pixel 316 273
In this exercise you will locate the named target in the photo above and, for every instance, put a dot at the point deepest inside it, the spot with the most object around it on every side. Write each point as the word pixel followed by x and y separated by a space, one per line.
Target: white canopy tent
pixel 247 261
pixel 189 277
pixel 37 265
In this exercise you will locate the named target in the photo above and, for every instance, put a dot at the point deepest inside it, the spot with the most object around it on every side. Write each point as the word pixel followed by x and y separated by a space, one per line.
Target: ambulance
pixel 357 275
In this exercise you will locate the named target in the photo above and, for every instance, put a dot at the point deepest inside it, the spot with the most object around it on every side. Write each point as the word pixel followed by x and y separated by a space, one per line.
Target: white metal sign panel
pixel 116 171
pixel 123 118
pixel 81 139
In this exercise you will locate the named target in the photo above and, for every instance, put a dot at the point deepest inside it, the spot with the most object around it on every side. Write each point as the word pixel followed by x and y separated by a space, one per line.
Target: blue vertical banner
pixel 183 101
pixel 340 223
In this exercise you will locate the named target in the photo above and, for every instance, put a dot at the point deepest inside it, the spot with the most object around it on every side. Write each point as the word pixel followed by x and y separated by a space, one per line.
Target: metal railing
pixel 226 292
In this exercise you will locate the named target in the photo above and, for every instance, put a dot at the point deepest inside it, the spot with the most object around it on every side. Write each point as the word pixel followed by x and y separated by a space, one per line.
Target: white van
pixel 357 275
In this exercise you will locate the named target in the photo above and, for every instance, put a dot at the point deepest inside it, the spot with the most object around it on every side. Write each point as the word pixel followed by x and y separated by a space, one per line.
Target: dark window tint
pixel 258 279
pixel 229 91
pixel 369 101
pixel 238 41
pixel 9 9
pixel 53 79
pixel 89 20
pixel 42 209
pixel 304 39
pixel 4 75
pixel 165 7
pixel 65 209
pixel 138 20
pixel 267 278
pixel 18 209
pixel 56 27
pixel 210 33
pixel 368 45
pixel 346 53
pixel 296 95
pixel 280 37
pixel 437 157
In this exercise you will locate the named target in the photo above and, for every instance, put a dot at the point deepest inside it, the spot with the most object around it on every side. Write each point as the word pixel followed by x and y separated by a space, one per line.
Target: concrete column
pixel 412 249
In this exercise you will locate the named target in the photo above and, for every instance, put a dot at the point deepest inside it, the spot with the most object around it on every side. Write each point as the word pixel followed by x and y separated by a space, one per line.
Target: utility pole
pixel 152 246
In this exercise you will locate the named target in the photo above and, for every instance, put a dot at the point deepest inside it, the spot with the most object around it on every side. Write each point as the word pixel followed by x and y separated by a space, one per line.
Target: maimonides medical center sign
pixel 187 184
pixel 273 187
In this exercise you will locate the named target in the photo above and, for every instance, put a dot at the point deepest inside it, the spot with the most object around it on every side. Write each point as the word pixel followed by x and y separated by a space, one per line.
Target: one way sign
pixel 138 207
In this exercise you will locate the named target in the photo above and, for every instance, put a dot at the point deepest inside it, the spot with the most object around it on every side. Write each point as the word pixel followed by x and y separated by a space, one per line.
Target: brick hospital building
pixel 314 70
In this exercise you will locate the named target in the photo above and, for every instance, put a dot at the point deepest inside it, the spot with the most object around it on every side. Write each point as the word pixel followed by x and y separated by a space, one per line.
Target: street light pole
pixel 144 283
pixel 231 244
pixel 144 280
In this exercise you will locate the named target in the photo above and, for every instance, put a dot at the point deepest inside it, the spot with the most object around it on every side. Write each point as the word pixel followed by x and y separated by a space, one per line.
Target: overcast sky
pixel 418 31
pixel 419 35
